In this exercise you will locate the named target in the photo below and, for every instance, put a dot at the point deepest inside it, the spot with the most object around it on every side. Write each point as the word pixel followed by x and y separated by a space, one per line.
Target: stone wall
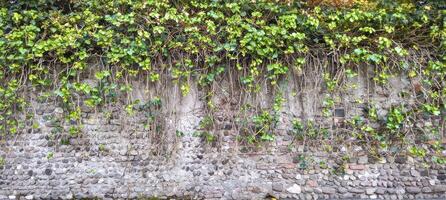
pixel 117 157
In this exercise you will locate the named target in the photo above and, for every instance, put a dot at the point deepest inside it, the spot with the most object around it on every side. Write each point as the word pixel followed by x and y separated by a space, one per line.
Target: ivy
pixel 52 46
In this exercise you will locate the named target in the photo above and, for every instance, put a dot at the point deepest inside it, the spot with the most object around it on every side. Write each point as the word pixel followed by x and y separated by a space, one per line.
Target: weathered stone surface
pixel 340 112
pixel 441 177
pixel 356 190
pixel 298 176
pixel 342 190
pixel 426 190
pixel 414 173
pixel 413 190
pixel 401 159
pixel 115 159
pixel 312 183
pixel 328 190
pixel 439 188
pixel 380 191
pixel 278 187
pixel 370 191
pixel 363 160
pixel 295 189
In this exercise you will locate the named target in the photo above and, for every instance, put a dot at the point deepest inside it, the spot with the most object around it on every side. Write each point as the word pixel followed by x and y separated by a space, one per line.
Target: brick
pixel 356 167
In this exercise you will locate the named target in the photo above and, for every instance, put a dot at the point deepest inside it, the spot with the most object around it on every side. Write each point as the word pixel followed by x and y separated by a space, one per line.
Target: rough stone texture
pixel 295 189
pixel 112 159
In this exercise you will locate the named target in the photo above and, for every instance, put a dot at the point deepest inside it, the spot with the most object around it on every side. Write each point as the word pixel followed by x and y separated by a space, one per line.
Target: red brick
pixel 312 183
pixel 356 167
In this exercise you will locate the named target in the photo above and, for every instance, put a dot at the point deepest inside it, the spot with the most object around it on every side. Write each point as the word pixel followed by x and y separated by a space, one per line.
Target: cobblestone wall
pixel 82 171
pixel 114 159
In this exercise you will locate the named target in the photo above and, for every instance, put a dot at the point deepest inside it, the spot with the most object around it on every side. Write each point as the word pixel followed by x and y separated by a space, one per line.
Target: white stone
pixel 295 189
pixel 58 110
pixel 410 160
pixel 370 190
pixel 298 176
pixel 12 197
pixel 358 148
pixel 373 196
pixel 432 182
pixel 29 197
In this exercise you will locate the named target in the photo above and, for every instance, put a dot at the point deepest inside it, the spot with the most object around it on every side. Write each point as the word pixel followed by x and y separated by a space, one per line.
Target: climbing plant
pixel 52 46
